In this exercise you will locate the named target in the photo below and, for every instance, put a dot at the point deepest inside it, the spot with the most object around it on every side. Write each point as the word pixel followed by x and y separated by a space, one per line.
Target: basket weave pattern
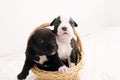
pixel 72 74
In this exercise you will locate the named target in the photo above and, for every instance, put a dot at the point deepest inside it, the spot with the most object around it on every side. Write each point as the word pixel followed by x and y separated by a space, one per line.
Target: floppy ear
pixel 53 22
pixel 73 23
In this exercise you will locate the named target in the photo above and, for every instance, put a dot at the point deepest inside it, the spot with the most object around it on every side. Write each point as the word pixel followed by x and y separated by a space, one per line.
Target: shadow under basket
pixel 72 74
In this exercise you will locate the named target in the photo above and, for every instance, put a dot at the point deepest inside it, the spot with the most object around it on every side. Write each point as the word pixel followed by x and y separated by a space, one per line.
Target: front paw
pixel 22 76
pixel 63 69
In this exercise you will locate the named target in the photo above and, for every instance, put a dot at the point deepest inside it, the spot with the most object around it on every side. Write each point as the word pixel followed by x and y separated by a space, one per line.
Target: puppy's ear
pixel 58 17
pixel 52 23
pixel 73 23
pixel 55 20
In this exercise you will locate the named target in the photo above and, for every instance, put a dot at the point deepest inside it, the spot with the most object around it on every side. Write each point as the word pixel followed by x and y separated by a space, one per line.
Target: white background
pixel 19 17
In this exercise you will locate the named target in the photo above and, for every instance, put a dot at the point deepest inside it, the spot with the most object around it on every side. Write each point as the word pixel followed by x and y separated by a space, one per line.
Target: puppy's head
pixel 44 42
pixel 63 26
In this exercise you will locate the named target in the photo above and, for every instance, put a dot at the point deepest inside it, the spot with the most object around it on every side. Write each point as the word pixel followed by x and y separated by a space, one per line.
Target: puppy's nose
pixel 64 28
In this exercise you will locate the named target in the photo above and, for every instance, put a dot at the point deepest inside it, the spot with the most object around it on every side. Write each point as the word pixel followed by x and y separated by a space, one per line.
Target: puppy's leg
pixel 72 60
pixel 25 71
pixel 56 64
pixel 62 67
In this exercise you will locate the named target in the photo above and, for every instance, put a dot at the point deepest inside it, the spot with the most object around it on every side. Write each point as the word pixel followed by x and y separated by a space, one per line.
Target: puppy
pixel 67 45
pixel 42 52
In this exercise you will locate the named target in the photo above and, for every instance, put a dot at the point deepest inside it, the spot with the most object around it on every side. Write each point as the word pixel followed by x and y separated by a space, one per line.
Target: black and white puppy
pixel 42 52
pixel 65 38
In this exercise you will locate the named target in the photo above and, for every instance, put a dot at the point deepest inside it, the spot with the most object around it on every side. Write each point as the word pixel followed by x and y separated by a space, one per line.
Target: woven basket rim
pixel 55 75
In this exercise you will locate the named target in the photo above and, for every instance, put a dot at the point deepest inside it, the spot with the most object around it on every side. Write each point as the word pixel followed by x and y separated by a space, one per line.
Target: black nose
pixel 64 28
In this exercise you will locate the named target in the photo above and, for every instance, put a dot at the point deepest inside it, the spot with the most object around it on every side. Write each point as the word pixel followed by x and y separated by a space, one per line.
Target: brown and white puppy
pixel 42 52
pixel 67 45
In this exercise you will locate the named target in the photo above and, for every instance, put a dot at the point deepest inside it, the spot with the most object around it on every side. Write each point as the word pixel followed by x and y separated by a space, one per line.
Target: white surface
pixel 115 11
pixel 101 52
pixel 102 55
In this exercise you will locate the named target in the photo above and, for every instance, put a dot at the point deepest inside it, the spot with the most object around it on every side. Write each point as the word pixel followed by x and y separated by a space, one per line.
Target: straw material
pixel 72 74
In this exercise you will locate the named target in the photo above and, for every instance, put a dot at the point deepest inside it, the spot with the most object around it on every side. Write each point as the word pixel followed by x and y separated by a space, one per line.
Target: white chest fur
pixel 42 59
pixel 64 49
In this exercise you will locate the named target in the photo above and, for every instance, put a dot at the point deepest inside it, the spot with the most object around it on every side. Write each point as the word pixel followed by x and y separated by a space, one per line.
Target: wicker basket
pixel 72 74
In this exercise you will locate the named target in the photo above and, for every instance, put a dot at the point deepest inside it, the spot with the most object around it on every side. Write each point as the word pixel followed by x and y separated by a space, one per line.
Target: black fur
pixel 73 23
pixel 56 22
pixel 75 53
pixel 42 42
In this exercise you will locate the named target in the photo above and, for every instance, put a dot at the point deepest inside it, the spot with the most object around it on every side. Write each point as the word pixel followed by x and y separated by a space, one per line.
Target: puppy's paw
pixel 21 76
pixel 63 69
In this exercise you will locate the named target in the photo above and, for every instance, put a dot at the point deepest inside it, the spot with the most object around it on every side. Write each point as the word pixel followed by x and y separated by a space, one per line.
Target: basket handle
pixel 79 42
pixel 41 26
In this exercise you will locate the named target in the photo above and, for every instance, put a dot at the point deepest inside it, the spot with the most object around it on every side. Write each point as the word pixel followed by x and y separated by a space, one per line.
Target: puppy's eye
pixel 41 41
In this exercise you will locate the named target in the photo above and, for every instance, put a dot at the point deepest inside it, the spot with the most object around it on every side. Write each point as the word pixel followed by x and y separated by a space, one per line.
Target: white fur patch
pixel 42 59
pixel 64 49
